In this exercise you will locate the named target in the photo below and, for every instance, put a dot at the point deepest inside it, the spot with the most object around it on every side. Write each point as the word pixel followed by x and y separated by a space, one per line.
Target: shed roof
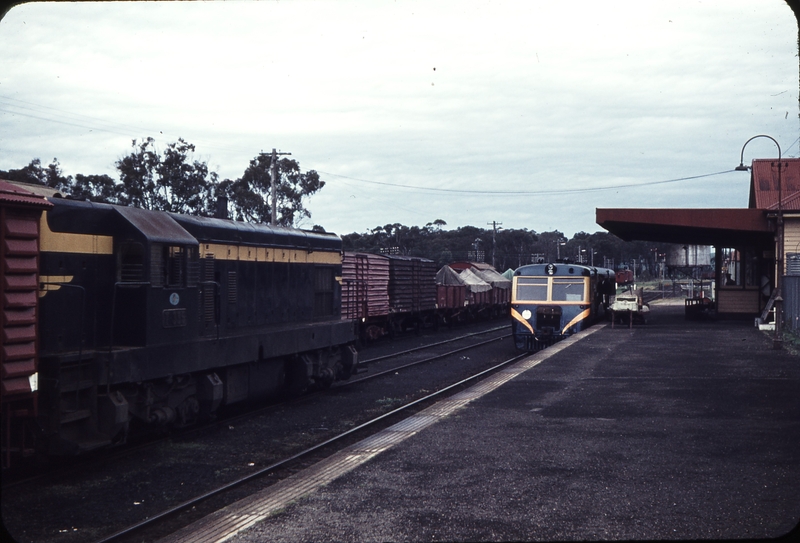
pixel 721 227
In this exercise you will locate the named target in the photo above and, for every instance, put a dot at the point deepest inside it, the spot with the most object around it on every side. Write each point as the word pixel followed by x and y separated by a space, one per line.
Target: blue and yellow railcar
pixel 553 301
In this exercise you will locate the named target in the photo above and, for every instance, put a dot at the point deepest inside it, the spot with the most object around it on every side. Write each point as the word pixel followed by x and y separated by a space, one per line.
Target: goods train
pixel 116 317
pixel 388 294
pixel 624 276
pixel 552 301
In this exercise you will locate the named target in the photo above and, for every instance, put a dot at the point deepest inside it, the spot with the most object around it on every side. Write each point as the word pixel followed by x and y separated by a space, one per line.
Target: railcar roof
pixel 558 269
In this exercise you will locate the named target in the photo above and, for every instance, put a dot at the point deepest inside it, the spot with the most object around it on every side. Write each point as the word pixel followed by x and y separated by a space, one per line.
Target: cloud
pixel 523 94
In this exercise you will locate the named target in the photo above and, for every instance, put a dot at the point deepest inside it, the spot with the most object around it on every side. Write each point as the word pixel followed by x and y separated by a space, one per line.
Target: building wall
pixel 791 239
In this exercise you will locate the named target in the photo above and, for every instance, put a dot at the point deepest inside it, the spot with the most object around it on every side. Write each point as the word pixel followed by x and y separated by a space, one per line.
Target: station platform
pixel 671 430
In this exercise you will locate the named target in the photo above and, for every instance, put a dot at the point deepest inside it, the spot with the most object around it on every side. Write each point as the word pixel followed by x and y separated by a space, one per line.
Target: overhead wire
pixel 117 128
pixel 531 192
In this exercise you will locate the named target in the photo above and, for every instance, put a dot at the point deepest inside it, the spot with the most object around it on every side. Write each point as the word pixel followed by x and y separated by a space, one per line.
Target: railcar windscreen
pixel 531 289
pixel 568 290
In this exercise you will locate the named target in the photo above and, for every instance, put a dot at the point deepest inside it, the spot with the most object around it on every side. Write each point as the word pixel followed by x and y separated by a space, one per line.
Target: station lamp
pixel 777 342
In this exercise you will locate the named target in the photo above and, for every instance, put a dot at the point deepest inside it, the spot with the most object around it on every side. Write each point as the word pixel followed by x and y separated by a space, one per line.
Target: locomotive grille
pixel 208 289
pixel 323 292
pixel 232 295
pixel 157 265
pixel 175 266
pixel 192 267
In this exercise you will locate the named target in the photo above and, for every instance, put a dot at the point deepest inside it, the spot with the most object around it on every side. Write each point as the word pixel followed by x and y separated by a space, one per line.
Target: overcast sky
pixel 531 114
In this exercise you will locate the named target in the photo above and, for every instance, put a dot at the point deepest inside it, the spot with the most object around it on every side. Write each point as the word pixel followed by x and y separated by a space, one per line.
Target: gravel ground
pixel 84 507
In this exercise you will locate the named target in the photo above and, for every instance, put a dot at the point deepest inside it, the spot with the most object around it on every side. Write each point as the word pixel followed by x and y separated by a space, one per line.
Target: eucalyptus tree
pixel 250 196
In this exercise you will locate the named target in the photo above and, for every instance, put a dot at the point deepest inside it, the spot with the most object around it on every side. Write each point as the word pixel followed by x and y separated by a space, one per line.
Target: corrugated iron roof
pixel 764 184
pixel 15 195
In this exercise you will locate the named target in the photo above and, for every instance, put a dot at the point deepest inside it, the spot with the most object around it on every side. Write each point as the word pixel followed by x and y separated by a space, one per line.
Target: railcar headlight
pixel 526 314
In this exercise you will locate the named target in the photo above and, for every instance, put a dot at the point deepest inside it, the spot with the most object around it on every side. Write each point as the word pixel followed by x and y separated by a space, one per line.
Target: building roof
pixel 764 177
pixel 721 227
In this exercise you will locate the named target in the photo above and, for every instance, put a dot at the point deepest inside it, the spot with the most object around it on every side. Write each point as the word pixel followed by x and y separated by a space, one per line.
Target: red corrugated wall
pixel 19 254
pixel 20 212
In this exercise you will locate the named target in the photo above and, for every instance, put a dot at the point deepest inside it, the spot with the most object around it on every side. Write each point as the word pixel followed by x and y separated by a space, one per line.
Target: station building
pixel 757 248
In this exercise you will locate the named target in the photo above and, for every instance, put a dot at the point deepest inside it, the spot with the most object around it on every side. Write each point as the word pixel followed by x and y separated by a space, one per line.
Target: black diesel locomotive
pixel 157 319
pixel 552 301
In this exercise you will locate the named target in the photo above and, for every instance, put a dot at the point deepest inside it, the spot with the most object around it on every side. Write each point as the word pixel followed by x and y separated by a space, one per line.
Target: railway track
pixel 12 479
pixel 156 481
pixel 134 533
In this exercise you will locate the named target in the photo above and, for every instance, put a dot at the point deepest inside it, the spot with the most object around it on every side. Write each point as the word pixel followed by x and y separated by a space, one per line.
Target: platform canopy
pixel 718 227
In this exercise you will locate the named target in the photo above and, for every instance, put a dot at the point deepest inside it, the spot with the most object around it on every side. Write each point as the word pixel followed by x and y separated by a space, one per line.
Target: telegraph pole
pixel 494 224
pixel 273 171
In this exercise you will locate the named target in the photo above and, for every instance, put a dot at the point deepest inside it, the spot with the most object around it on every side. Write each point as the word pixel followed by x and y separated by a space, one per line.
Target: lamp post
pixel 777 342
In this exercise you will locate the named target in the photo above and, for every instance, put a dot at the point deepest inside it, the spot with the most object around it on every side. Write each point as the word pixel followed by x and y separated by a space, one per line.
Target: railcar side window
pixel 531 289
pixel 567 290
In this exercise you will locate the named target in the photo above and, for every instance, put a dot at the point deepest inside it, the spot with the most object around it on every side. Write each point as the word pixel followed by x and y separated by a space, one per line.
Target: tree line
pixel 172 180
pixel 506 248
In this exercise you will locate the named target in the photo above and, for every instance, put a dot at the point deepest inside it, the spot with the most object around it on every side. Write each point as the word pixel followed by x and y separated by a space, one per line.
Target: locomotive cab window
pixel 531 289
pixel 130 262
pixel 568 290
pixel 174 266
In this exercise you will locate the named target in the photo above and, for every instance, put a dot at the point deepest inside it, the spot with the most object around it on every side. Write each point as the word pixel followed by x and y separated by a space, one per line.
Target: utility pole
pixel 273 189
pixel 494 224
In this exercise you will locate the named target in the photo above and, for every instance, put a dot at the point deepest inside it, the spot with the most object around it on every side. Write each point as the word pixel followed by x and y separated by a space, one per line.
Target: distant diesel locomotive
pixel 552 301
pixel 156 319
